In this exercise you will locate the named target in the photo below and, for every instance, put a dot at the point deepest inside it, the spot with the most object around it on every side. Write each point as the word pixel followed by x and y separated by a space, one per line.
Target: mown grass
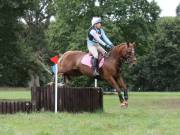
pixel 15 93
pixel 148 114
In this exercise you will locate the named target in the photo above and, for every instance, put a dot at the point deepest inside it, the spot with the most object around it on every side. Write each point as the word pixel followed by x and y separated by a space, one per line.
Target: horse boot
pixel 95 67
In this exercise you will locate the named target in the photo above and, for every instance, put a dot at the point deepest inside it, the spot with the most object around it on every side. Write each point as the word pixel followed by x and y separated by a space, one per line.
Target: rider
pixel 96 36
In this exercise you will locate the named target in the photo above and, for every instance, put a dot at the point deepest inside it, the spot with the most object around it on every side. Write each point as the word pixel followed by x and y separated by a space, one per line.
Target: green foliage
pixel 69 30
pixel 22 45
pixel 11 65
pixel 131 20
pixel 178 10
pixel 160 69
pixel 37 19
pixel 134 21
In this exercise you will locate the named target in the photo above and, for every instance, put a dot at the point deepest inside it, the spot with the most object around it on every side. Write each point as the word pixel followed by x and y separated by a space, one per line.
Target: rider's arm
pixel 105 38
pixel 96 36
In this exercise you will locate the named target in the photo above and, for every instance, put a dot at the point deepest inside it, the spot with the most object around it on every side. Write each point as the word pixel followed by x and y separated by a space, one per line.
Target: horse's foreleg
pixel 115 85
pixel 122 85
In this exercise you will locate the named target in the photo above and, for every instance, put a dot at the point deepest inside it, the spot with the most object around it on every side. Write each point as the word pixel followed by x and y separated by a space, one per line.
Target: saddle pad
pixel 86 60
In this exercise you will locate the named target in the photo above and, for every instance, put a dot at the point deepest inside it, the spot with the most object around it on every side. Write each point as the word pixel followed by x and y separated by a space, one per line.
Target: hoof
pixel 124 104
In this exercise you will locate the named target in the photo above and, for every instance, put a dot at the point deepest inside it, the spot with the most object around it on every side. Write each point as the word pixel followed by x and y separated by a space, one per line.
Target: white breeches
pixel 94 49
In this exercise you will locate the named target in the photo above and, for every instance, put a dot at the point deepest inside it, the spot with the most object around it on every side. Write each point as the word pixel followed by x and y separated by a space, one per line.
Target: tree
pixel 132 20
pixel 135 21
pixel 178 10
pixel 160 69
pixel 37 19
pixel 12 71
pixel 23 47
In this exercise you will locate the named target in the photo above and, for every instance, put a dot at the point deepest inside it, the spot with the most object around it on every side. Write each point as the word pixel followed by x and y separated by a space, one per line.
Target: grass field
pixel 15 93
pixel 148 114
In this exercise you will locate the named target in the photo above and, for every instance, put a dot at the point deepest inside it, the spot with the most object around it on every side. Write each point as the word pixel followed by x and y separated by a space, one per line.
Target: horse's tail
pixel 60 57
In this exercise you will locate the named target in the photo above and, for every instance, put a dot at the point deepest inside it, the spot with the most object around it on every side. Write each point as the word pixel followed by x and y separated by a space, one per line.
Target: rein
pixel 122 58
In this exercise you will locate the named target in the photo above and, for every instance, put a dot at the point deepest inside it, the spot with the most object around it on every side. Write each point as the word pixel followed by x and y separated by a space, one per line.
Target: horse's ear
pixel 128 44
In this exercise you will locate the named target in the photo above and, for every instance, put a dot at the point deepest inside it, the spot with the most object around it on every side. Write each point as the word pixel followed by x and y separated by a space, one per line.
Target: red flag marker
pixel 55 59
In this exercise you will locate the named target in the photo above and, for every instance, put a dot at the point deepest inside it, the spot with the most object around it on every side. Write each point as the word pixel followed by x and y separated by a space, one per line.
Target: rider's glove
pixel 112 46
pixel 109 46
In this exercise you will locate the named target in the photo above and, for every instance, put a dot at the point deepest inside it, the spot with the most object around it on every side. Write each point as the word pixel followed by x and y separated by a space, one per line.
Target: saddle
pixel 87 60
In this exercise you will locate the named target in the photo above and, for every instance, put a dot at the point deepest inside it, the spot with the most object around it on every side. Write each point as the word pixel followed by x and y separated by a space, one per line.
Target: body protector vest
pixel 91 38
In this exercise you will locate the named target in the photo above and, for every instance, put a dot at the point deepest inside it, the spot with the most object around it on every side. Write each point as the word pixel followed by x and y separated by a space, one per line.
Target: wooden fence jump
pixel 15 106
pixel 69 99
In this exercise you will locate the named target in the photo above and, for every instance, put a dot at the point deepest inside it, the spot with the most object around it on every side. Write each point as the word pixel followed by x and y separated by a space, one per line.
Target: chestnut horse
pixel 71 65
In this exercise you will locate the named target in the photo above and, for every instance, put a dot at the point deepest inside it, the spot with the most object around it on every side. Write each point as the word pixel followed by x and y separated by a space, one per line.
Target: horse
pixel 110 71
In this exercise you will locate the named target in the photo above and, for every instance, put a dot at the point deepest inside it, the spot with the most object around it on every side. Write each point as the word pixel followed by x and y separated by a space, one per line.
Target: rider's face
pixel 98 25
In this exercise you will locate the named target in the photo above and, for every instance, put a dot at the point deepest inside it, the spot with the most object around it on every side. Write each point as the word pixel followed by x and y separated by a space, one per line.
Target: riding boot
pixel 95 67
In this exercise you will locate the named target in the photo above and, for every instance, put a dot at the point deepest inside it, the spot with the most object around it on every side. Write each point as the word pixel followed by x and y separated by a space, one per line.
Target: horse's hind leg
pixel 67 79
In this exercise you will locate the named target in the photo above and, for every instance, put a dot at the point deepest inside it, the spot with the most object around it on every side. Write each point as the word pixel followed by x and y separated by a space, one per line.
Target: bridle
pixel 130 53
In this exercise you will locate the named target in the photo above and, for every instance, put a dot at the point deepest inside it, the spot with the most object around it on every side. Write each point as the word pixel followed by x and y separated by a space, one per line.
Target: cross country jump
pixel 72 64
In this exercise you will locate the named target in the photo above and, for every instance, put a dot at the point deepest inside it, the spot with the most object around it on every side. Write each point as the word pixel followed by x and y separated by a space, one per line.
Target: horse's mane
pixel 121 44
pixel 117 48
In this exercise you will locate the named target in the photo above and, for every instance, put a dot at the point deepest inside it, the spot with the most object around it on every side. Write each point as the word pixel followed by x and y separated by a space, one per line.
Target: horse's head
pixel 129 53
pixel 126 51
